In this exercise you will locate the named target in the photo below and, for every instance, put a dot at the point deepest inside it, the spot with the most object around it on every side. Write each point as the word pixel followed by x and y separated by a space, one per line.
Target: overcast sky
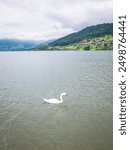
pixel 48 19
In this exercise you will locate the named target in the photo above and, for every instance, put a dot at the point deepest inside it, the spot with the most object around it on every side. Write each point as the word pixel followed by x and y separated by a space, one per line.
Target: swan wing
pixel 52 100
pixel 46 100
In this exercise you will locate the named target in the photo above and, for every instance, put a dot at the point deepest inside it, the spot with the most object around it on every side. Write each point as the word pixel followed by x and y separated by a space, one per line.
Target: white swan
pixel 54 100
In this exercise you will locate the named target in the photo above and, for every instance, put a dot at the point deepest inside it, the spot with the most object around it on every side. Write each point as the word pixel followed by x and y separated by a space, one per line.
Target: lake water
pixel 82 122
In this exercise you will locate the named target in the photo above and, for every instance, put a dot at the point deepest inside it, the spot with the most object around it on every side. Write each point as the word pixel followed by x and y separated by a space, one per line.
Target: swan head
pixel 65 94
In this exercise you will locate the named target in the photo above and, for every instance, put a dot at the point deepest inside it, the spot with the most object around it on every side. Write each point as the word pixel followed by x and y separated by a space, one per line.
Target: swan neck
pixel 61 98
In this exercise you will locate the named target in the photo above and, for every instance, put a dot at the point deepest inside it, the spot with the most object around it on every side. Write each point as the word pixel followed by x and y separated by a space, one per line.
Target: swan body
pixel 54 100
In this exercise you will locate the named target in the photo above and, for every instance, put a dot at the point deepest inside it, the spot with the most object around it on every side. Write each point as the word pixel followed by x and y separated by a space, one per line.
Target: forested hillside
pixel 87 33
pixel 99 37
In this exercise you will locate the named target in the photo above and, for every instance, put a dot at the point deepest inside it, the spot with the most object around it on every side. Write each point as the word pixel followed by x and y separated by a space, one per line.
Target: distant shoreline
pixel 53 50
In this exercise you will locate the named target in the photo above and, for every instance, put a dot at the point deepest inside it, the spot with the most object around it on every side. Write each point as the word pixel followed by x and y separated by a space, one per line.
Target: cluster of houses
pixel 101 44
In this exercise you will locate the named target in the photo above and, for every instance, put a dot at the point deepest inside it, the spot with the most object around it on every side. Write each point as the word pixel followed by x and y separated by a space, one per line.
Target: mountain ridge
pixel 17 45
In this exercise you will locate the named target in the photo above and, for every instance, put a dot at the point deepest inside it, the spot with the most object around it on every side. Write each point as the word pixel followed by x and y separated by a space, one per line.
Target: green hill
pixel 98 37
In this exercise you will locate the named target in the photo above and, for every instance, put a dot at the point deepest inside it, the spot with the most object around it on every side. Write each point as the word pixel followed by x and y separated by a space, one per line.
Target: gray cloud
pixel 46 19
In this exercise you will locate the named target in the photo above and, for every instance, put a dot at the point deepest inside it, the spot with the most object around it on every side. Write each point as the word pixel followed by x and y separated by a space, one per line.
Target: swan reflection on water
pixel 54 100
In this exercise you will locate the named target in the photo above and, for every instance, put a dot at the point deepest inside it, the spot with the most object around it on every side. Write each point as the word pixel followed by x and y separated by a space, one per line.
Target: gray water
pixel 82 122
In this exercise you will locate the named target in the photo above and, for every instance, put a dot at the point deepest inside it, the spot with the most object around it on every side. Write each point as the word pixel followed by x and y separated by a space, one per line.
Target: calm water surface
pixel 82 122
